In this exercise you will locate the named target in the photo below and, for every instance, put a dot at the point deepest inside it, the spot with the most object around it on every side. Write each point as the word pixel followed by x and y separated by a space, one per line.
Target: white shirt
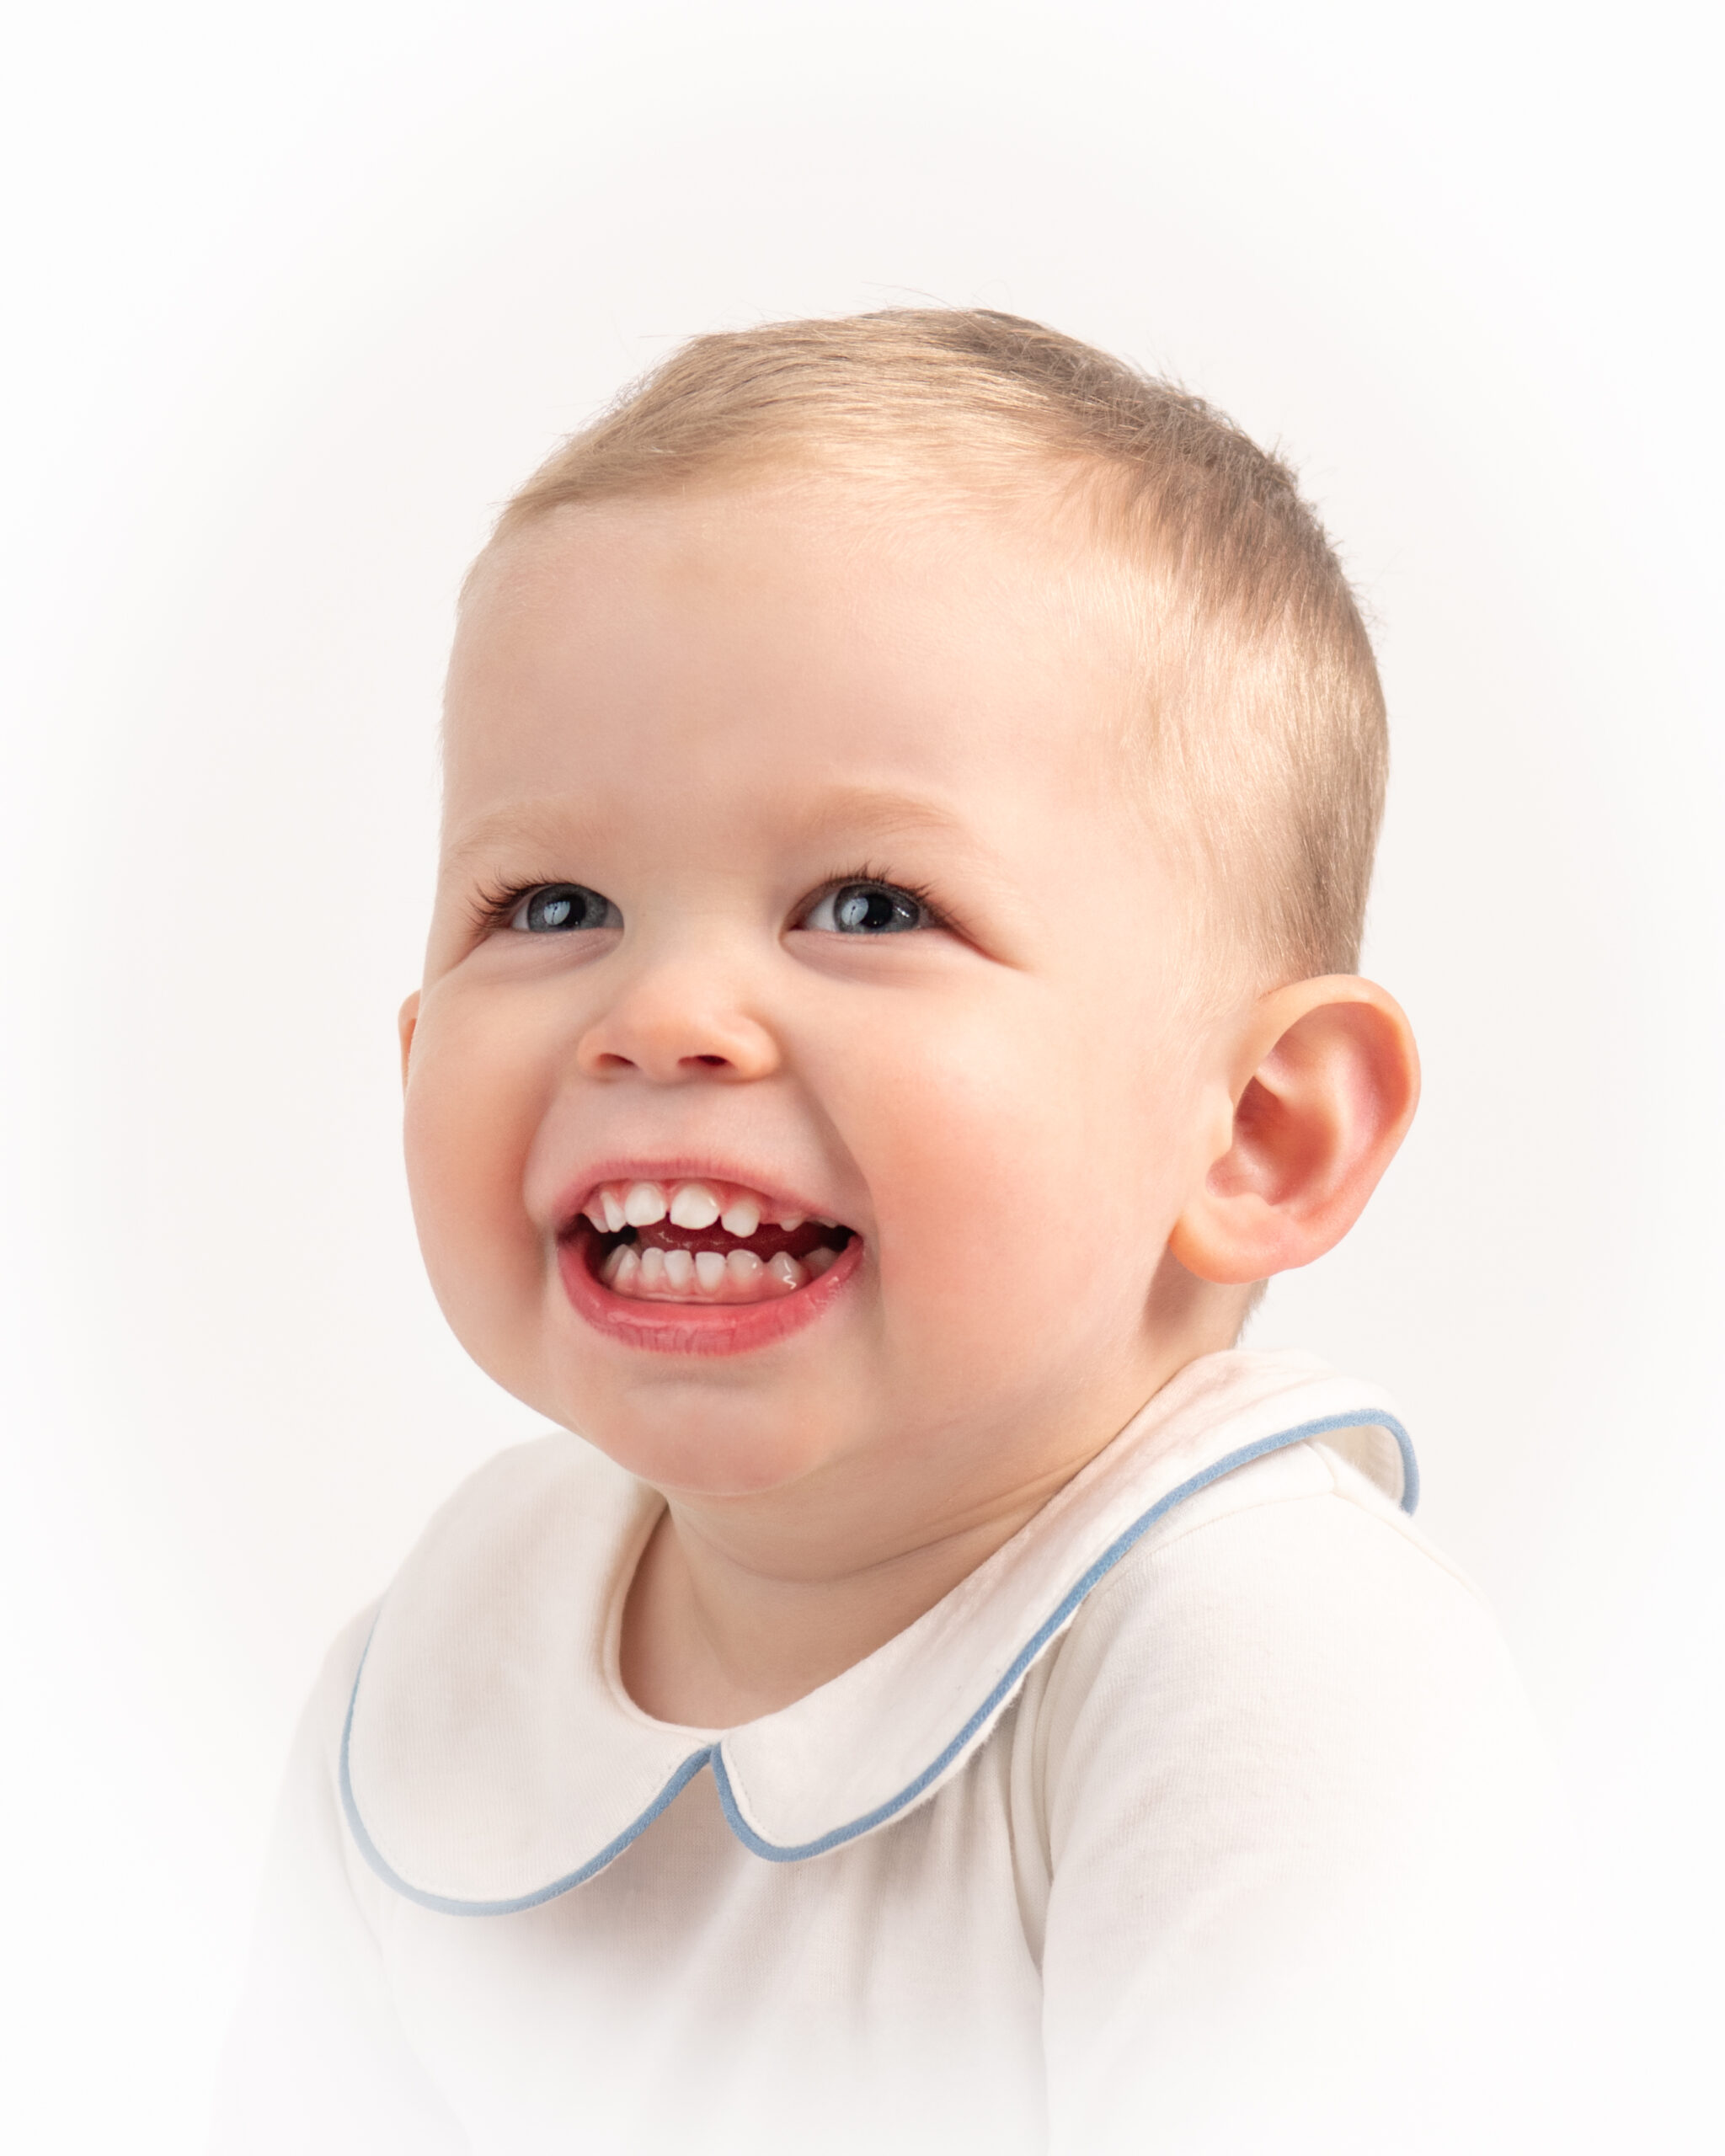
pixel 1207 1767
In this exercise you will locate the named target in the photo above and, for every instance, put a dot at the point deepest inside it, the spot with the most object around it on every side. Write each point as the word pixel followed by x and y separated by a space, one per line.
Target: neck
pixel 740 1606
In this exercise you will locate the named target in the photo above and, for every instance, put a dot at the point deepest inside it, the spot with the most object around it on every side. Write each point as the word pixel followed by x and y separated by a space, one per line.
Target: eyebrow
pixel 869 812
pixel 539 825
pixel 847 812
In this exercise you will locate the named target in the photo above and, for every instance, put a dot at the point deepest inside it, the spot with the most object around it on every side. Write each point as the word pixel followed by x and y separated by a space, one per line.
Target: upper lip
pixel 579 1189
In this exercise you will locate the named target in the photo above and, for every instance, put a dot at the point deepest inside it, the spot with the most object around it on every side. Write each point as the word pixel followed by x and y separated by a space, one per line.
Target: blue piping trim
pixel 445 1904
pixel 778 1853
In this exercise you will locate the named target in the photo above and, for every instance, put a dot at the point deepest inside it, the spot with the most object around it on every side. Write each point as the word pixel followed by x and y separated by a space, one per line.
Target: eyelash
pixel 493 905
pixel 938 917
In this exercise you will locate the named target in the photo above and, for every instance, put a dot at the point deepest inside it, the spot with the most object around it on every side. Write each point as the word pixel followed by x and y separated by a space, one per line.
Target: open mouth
pixel 693 1241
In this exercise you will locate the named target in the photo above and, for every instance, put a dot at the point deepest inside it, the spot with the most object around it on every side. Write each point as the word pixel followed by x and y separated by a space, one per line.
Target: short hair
pixel 1263 716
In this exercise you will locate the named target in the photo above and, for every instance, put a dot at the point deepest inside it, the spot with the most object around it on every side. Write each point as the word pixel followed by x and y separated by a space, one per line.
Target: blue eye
pixel 867 909
pixel 556 908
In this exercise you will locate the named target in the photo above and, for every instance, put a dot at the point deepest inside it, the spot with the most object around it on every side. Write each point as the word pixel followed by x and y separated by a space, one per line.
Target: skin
pixel 1067 1138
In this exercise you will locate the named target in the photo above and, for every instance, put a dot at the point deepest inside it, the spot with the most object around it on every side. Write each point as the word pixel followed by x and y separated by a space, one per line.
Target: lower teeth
pixel 709 1276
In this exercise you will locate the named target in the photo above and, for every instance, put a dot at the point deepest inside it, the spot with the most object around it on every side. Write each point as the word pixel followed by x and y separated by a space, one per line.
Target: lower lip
pixel 697 1328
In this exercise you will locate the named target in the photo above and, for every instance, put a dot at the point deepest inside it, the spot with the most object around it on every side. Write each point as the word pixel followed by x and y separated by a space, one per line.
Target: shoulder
pixel 1287 1629
pixel 513 1493
pixel 1299 1539
pixel 504 1551
pixel 1285 1777
pixel 484 1521
pixel 477 1584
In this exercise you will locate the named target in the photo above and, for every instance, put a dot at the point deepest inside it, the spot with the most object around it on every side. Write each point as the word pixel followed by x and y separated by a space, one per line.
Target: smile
pixel 702 1242
pixel 729 1261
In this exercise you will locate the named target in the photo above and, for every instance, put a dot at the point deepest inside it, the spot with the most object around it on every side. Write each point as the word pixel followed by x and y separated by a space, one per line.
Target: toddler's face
pixel 806 1077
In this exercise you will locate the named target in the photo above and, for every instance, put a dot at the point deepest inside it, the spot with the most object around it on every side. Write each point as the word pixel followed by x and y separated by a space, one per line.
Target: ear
pixel 1325 1087
pixel 405 1023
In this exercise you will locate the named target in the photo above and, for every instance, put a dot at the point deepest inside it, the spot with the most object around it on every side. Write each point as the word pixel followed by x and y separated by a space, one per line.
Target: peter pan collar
pixel 492 1759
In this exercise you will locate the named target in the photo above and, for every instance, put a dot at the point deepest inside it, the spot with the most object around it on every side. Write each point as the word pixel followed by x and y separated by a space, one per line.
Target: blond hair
pixel 1265 716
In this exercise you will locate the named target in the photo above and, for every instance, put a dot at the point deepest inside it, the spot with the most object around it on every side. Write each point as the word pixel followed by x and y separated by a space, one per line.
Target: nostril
pixel 712 1062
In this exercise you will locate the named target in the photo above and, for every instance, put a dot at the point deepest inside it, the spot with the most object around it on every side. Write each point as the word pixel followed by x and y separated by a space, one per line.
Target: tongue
pixel 767 1240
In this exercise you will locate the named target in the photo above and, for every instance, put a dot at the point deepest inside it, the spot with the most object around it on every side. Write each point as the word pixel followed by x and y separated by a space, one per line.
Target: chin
pixel 697 1431
pixel 690 1454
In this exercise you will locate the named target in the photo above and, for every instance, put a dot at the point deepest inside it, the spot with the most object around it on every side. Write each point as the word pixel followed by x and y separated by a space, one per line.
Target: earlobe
pixel 1332 1081
pixel 406 1022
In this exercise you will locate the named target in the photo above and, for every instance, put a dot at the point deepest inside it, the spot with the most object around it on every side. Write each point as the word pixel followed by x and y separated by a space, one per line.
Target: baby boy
pixel 911 788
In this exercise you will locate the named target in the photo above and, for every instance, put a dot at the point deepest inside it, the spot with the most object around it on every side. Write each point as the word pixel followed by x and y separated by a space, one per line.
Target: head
pixel 913 779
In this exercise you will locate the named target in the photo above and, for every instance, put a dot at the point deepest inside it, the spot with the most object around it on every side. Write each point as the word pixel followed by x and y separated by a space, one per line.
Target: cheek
pixel 470 1113
pixel 1014 1163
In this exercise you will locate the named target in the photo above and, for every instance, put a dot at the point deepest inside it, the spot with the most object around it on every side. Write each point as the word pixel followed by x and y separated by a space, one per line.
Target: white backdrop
pixel 299 295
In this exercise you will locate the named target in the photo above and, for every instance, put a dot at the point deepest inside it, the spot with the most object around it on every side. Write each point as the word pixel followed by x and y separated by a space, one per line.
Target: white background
pixel 298 297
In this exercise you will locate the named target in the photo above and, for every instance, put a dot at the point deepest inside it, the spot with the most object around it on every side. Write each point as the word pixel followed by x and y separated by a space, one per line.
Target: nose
pixel 677 1021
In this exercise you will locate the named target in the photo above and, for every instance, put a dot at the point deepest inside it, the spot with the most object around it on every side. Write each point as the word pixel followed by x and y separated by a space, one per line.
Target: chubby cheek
pixel 1023 1196
pixel 470 1115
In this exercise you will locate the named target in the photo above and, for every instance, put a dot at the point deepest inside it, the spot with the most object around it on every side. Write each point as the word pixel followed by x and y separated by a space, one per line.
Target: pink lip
pixel 695 1328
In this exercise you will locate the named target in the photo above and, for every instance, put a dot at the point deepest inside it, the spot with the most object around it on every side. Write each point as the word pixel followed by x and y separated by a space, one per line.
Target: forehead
pixel 738 652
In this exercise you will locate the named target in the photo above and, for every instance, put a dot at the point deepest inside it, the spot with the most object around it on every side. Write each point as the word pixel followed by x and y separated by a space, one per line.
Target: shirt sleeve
pixel 317 2058
pixel 1287 1765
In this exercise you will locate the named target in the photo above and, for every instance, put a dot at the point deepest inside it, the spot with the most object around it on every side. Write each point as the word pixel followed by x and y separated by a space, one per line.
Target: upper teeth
pixel 615 1206
pixel 741 1217
pixel 643 1204
pixel 693 1205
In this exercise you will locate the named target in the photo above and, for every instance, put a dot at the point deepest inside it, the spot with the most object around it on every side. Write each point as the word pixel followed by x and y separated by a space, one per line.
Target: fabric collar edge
pixel 973 1729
